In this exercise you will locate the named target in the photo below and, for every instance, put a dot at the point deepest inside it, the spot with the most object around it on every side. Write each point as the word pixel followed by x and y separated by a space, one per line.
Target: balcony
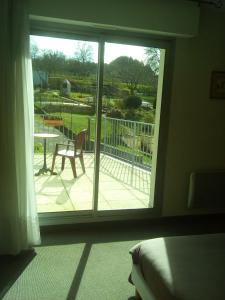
pixel 125 168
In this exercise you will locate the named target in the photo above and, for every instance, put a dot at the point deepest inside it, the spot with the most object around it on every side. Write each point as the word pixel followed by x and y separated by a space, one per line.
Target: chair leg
pixel 82 162
pixel 73 166
pixel 53 163
pixel 63 163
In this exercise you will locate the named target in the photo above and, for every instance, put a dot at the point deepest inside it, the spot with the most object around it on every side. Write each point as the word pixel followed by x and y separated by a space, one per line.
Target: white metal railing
pixel 127 140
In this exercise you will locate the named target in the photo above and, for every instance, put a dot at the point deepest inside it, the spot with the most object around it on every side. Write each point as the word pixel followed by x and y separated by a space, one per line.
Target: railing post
pixel 71 126
pixel 88 142
pixel 104 133
pixel 133 154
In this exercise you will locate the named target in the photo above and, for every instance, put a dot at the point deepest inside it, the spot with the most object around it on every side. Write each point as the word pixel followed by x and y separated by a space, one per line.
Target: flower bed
pixel 53 120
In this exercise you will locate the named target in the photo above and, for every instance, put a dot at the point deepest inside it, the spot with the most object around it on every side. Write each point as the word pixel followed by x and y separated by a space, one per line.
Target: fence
pixel 126 140
pixel 129 140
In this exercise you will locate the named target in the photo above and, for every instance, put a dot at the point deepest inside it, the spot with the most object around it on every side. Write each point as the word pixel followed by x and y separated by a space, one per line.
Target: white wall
pixel 174 17
pixel 197 124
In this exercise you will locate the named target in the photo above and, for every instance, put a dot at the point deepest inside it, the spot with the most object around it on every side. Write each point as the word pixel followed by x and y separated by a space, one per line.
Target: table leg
pixel 45 163
pixel 45 169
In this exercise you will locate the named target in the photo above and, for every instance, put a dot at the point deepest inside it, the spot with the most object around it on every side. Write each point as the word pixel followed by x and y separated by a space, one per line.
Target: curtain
pixel 19 228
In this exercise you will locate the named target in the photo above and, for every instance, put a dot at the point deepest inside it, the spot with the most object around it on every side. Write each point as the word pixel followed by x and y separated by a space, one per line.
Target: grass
pixel 77 122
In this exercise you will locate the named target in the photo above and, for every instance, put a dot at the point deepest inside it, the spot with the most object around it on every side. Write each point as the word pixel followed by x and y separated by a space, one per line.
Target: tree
pixel 80 69
pixel 128 70
pixel 132 102
pixel 153 59
pixel 50 61
pixel 84 53
pixel 34 50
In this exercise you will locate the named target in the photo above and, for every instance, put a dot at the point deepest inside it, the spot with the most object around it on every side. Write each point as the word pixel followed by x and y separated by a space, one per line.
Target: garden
pixel 65 97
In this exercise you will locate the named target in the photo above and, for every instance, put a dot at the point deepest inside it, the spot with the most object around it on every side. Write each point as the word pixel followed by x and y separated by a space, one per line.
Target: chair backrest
pixel 79 140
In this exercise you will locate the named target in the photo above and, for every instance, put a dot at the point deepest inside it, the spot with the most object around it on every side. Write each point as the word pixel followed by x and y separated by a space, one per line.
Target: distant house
pixel 40 79
pixel 65 88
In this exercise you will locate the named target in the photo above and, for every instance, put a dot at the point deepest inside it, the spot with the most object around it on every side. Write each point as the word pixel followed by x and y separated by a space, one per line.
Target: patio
pixel 122 186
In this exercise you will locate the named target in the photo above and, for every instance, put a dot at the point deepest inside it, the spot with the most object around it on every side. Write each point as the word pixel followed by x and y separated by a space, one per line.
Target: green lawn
pixel 77 122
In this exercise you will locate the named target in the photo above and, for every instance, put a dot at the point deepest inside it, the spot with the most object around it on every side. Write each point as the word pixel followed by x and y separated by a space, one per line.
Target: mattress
pixel 183 267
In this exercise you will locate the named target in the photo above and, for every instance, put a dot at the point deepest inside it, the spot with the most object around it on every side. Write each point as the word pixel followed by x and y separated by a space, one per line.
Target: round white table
pixel 44 136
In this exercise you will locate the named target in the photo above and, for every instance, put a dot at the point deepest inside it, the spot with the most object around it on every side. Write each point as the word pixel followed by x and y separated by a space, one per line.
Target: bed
pixel 180 268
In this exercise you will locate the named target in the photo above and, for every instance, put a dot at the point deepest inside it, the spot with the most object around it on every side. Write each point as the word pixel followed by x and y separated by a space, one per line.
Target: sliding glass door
pixel 110 91
pixel 65 88
pixel 127 126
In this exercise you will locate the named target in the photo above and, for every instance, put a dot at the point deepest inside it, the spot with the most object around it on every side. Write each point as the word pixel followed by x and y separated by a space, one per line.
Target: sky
pixel 69 47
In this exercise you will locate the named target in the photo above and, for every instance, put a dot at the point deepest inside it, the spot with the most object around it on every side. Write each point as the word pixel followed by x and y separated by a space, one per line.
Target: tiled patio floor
pixel 120 187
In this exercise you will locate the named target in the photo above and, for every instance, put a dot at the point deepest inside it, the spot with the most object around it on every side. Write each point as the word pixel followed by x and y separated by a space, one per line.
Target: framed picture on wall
pixel 217 89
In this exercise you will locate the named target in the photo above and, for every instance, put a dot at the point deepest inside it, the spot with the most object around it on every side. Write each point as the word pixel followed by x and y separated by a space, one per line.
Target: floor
pixel 121 185
pixel 90 262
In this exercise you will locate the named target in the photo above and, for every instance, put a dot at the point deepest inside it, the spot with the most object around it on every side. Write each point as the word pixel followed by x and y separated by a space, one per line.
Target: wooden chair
pixel 72 150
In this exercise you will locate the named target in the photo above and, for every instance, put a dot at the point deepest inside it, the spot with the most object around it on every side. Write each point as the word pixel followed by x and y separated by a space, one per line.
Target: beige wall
pixel 196 138
pixel 197 125
pixel 174 17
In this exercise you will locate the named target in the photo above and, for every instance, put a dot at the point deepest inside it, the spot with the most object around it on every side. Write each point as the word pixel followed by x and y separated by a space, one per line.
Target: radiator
pixel 207 189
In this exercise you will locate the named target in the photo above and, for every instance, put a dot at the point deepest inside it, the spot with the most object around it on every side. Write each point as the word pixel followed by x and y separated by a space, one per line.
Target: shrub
pixel 110 90
pixel 149 117
pixel 132 115
pixel 51 117
pixel 83 110
pixel 115 113
pixel 132 102
pixel 144 89
pixel 124 92
pixel 118 103
pixel 38 109
pixel 38 148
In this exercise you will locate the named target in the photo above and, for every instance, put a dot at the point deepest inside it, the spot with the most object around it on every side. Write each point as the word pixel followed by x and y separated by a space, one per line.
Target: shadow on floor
pixel 104 232
pixel 12 267
pixel 79 273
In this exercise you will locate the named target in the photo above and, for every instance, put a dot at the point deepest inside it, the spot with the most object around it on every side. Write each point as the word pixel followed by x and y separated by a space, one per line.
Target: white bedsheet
pixel 184 267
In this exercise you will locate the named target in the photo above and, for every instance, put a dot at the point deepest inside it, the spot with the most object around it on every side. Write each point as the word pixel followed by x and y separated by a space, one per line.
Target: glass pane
pixel 64 77
pixel 128 122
